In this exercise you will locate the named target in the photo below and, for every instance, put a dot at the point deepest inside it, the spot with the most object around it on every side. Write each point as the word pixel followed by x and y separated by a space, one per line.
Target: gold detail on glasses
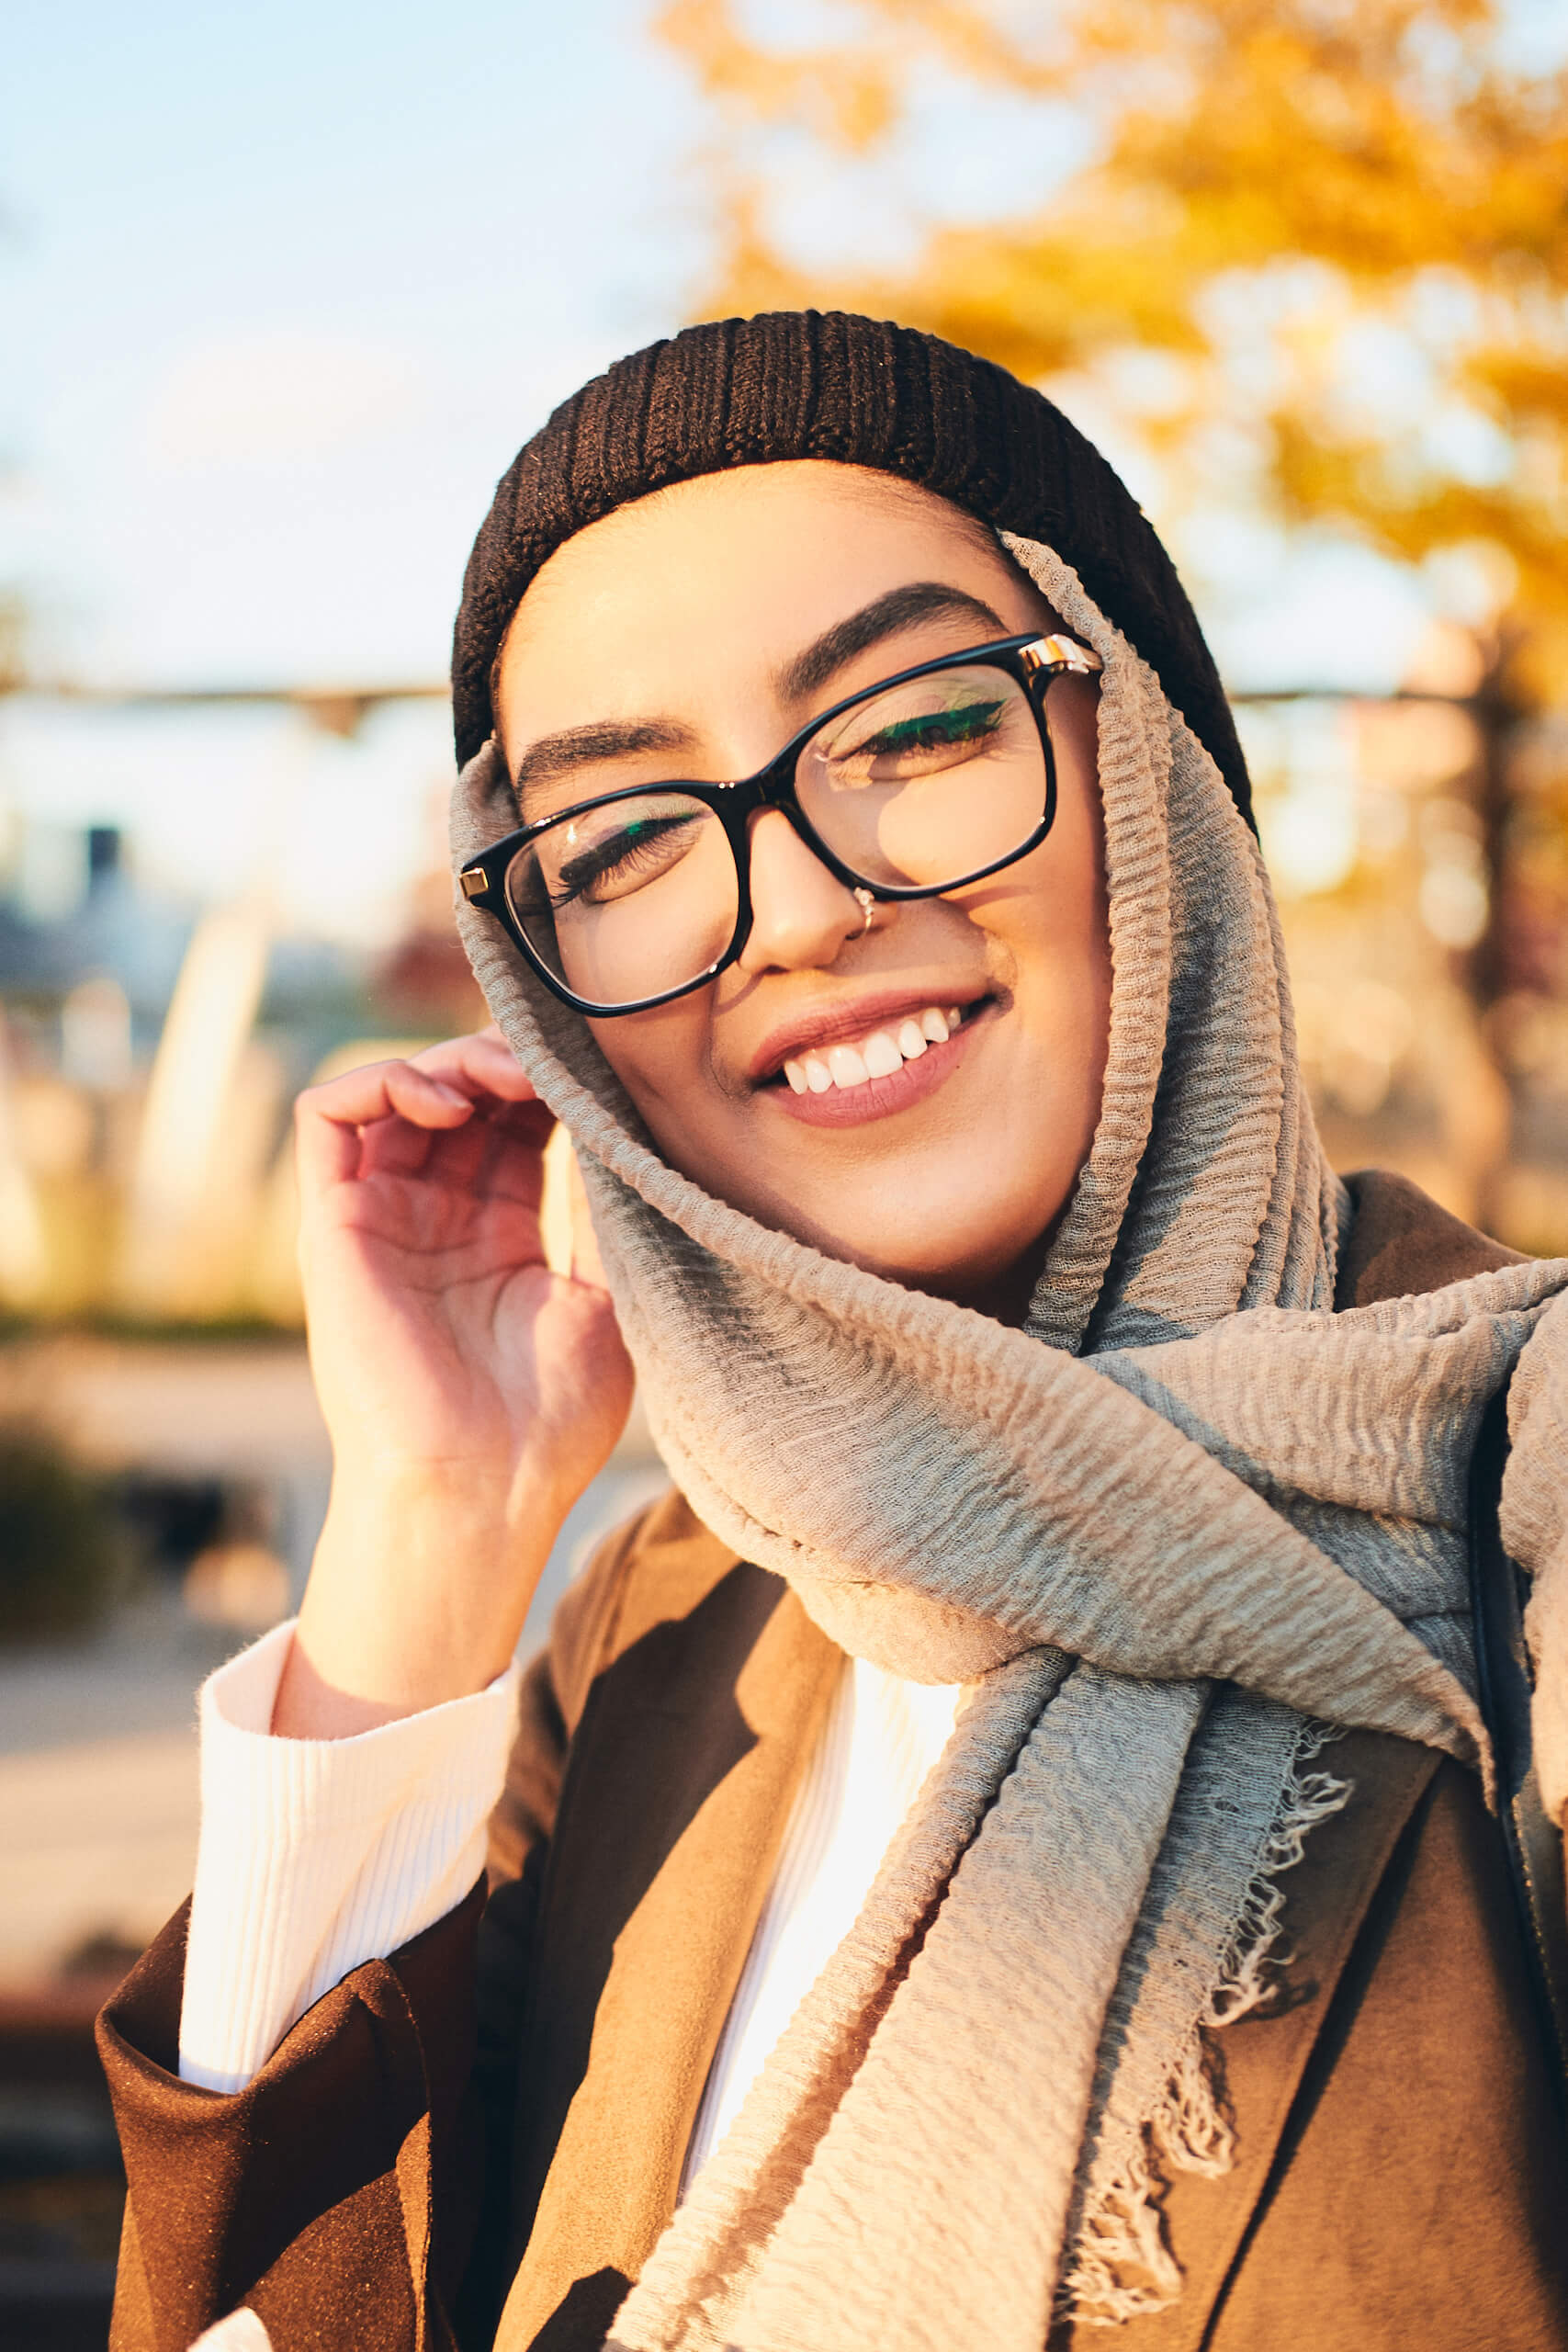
pixel 1062 654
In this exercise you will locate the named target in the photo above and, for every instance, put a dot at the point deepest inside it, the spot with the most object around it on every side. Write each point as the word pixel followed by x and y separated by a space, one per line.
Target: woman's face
pixel 687 614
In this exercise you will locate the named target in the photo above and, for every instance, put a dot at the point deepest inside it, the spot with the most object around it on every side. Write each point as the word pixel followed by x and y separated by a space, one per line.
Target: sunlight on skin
pixel 686 605
pixel 471 1386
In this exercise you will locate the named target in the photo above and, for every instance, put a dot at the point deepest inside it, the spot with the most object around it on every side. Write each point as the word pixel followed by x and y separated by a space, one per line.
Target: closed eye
pixel 634 853
pixel 934 730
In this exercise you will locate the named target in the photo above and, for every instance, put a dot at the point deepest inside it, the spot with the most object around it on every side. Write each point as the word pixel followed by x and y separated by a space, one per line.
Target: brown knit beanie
pixel 828 384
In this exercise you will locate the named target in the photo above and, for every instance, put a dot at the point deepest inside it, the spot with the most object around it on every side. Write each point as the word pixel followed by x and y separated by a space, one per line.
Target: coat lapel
pixel 683 1768
pixel 682 1776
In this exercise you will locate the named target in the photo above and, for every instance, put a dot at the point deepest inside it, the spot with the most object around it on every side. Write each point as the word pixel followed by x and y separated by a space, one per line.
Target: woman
pixel 1065 1592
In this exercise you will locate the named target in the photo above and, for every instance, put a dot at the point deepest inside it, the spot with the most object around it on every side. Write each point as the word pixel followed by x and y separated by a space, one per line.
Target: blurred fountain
pixel 24 1254
pixel 193 1181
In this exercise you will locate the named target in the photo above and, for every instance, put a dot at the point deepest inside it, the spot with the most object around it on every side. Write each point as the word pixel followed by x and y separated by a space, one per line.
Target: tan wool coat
pixel 478 2140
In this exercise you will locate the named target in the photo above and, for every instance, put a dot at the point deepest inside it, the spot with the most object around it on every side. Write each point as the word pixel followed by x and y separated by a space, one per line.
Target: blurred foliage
pixel 1308 260
pixel 63 1555
pixel 1325 242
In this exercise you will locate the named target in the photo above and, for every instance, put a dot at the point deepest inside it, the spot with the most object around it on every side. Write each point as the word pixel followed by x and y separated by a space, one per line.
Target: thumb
pixel 556 1170
pixel 587 1266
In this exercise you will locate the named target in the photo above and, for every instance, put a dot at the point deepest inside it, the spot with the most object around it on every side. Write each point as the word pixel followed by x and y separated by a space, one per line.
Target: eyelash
pixel 580 874
pixel 917 734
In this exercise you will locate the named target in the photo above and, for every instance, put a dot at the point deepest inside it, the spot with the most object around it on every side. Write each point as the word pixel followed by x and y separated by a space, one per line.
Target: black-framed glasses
pixel 929 780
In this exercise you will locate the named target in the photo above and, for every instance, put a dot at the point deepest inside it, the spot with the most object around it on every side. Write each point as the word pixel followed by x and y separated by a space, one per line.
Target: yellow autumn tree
pixel 1314 257
pixel 1343 224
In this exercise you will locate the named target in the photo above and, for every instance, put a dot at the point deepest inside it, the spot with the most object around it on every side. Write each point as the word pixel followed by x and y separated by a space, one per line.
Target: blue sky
pixel 284 288
pixel 287 286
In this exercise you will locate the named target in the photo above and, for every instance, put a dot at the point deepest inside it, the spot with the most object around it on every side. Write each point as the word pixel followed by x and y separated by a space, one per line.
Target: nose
pixel 801 915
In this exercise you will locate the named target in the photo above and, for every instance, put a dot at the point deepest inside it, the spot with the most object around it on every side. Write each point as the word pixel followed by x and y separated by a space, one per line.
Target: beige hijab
pixel 1171 1530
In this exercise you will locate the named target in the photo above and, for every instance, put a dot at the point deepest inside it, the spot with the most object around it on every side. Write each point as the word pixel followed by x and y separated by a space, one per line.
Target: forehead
pixel 766 500
pixel 705 574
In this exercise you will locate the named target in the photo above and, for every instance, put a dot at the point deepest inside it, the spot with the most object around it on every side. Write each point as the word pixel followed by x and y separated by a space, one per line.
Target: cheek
pixel 1082 902
pixel 1051 929
pixel 664 1061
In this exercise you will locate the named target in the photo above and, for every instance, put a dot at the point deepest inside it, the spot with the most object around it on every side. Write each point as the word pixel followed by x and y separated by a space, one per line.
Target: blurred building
pixel 149 1050
pixel 149 1054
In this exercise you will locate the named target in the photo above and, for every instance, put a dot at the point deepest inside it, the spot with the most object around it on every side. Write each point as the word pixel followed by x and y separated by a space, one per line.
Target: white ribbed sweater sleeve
pixel 317 1855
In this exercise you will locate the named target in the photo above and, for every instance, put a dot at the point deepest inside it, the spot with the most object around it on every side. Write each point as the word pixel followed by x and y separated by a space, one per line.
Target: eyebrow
pixel 805 673
pixel 603 738
pixel 885 616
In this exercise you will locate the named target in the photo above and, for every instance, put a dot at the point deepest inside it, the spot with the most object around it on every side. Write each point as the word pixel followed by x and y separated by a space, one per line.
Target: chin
pixel 923 1226
pixel 909 1258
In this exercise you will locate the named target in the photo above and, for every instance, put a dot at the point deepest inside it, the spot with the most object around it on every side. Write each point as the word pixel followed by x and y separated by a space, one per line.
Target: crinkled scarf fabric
pixel 1168 1532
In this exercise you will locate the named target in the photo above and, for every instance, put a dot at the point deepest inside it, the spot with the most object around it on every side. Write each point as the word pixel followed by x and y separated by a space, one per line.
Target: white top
pixel 318 1855
pixel 881 1738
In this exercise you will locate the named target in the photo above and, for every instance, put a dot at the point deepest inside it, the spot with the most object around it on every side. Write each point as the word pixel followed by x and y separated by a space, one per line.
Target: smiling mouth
pixel 851 1062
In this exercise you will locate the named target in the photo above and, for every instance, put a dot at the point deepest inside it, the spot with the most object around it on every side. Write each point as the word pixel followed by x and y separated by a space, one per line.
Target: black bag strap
pixel 1532 1838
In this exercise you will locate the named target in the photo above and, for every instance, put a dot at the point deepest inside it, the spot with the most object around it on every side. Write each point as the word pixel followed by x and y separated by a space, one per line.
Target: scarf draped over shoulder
pixel 1170 1533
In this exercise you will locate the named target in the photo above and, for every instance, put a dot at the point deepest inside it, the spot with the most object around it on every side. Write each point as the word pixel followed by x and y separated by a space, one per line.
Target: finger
pixel 398 1147
pixel 480 1063
pixel 517 1138
pixel 384 1090
pixel 328 1119
pixel 495 1153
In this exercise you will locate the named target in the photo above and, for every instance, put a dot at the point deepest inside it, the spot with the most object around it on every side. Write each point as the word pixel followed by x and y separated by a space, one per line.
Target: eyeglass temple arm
pixel 1062 654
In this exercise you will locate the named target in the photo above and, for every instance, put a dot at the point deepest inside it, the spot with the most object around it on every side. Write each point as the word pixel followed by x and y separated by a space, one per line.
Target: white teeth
pixel 878 1056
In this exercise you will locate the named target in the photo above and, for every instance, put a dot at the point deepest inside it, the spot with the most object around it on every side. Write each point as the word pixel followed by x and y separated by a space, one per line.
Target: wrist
pixel 417 1595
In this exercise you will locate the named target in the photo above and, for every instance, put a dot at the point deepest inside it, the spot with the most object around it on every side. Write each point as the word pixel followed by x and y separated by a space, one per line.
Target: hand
pixel 470 1393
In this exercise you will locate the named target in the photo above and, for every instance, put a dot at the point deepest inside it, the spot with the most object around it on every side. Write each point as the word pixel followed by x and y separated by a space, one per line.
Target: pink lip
pixel 813 1031
pixel 879 1098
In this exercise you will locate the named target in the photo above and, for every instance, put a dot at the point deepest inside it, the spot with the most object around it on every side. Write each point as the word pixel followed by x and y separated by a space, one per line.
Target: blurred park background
pixel 284 293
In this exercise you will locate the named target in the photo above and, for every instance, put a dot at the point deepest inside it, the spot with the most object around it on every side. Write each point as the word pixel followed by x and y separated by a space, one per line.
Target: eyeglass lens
pixel 919 787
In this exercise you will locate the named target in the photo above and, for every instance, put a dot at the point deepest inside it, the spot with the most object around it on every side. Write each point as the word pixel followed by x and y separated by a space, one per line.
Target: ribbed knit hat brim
pixel 829 384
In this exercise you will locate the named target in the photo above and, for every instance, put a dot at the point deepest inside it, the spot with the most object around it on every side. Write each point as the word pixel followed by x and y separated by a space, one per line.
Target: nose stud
pixel 866 903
